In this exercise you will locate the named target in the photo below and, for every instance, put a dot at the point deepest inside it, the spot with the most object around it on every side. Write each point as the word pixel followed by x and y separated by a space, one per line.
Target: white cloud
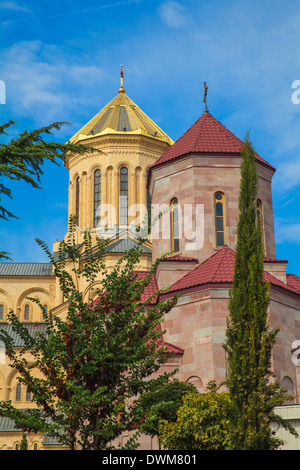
pixel 44 82
pixel 287 232
pixel 289 174
pixel 174 15
pixel 13 6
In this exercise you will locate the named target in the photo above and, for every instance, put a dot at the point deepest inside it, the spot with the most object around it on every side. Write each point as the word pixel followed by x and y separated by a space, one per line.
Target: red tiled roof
pixel 180 258
pixel 293 281
pixel 219 269
pixel 276 282
pixel 274 260
pixel 206 135
pixel 150 289
pixel 171 348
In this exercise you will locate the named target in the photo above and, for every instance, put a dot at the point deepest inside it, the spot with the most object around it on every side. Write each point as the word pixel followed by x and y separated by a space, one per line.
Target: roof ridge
pixel 277 282
pixel 25 262
pixel 180 258
pixel 199 131
pixel 227 132
pixel 224 251
pixel 293 281
pixel 294 275
pixel 181 137
pixel 199 266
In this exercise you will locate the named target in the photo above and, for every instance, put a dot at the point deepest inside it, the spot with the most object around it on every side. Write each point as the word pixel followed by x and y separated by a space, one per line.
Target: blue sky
pixel 60 61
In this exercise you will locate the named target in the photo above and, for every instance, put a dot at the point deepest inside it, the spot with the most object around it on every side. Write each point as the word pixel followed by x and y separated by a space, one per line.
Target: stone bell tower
pixel 108 188
pixel 199 179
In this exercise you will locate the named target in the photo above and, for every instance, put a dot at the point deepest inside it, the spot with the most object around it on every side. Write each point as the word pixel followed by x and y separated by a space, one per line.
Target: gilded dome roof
pixel 121 116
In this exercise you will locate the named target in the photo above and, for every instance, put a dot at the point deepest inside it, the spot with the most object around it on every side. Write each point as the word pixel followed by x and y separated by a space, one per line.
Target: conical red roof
pixel 206 135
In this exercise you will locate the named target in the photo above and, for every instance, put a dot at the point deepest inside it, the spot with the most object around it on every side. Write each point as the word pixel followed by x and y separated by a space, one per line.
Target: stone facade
pixel 135 152
pixel 194 180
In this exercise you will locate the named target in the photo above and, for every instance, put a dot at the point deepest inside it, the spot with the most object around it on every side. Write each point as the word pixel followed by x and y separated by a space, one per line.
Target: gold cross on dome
pixel 121 89
pixel 122 76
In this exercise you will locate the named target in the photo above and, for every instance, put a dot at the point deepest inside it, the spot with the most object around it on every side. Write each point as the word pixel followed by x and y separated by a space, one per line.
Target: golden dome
pixel 121 116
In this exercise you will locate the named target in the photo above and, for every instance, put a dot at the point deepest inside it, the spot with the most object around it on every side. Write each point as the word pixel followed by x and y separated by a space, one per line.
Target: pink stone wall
pixel 194 180
pixel 285 314
pixel 169 272
pixel 198 325
pixel 265 195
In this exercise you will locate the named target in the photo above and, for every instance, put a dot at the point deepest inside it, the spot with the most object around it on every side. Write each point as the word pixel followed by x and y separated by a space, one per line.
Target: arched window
pixel 77 200
pixel 97 197
pixel 220 219
pixel 28 394
pixel 17 447
pixel 26 312
pixel 174 225
pixel 196 381
pixel 1 311
pixel 124 196
pixel 288 384
pixel 148 202
pixel 258 210
pixel 35 447
pixel 18 392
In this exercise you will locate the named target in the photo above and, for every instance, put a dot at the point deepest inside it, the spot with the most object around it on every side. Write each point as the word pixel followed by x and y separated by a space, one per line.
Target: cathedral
pixel 195 183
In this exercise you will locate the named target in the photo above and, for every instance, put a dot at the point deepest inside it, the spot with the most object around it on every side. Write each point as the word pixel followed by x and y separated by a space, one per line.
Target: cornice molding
pixel 118 147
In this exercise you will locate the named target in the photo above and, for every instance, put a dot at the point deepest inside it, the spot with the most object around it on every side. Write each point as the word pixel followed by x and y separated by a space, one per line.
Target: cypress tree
pixel 24 442
pixel 253 389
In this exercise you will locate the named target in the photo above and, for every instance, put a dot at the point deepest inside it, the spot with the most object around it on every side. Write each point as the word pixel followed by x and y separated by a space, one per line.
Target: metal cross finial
pixel 122 76
pixel 205 97
pixel 121 89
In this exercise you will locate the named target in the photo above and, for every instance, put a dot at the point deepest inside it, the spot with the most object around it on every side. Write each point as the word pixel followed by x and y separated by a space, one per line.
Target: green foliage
pixel 23 159
pixel 24 442
pixel 253 389
pixel 202 423
pixel 162 403
pixel 99 359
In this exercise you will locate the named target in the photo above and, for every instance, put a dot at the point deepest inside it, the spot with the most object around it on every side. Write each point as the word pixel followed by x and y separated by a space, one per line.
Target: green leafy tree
pixel 253 388
pixel 23 158
pixel 96 362
pixel 201 424
pixel 162 403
